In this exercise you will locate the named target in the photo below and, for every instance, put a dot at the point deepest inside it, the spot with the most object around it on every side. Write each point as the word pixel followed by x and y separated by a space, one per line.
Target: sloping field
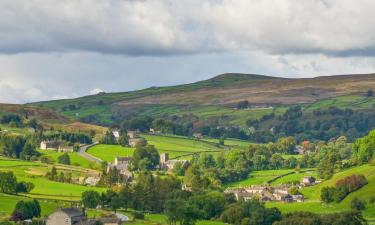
pixel 312 194
pixel 75 158
pixel 109 152
pixel 46 189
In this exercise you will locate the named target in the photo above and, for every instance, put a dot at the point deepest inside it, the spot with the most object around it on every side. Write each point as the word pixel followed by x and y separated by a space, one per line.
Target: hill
pixel 213 97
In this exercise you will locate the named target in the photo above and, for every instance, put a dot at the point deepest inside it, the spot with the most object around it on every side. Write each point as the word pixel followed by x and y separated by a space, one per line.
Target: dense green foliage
pixel 145 158
pixel 342 188
pixel 26 210
pixel 364 148
pixel 306 218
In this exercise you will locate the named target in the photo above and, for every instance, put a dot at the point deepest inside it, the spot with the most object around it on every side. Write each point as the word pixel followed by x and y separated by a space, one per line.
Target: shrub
pixel 138 215
pixel 357 204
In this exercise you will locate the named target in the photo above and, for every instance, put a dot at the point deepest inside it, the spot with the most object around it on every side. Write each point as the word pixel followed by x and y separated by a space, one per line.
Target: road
pixel 82 151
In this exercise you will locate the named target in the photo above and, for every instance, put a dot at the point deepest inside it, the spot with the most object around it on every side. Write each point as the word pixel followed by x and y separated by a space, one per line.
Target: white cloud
pixel 61 49
pixel 95 91
pixel 157 27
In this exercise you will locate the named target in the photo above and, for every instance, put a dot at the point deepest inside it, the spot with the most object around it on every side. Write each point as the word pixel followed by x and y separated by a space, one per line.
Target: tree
pixel 115 203
pixel 357 204
pixel 24 187
pixel 26 210
pixel 108 138
pixel 64 159
pixel 243 104
pixel 146 158
pixel 8 182
pixel 28 151
pixel 326 194
pixel 90 199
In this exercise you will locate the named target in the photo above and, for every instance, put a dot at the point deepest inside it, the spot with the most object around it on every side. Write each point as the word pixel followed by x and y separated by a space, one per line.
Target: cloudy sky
pixel 52 49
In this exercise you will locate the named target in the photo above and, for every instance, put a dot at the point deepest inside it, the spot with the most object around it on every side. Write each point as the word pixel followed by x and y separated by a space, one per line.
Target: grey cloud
pixel 165 27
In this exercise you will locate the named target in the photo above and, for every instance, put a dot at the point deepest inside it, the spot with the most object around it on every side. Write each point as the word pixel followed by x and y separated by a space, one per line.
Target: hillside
pixel 212 97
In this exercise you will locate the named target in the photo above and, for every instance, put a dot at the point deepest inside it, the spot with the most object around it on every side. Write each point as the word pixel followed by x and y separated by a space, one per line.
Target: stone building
pixel 56 145
pixel 67 216
pixel 167 164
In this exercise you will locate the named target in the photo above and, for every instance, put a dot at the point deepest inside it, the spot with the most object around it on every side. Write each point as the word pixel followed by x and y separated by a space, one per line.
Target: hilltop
pixel 216 95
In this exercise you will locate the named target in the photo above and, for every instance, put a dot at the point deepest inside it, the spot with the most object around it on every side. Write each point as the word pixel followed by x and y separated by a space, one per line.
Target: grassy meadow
pixel 109 152
pixel 312 195
pixel 46 189
pixel 75 158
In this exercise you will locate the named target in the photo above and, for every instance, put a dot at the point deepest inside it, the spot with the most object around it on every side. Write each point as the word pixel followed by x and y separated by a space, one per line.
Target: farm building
pixel 56 145
pixel 121 164
pixel 116 134
pixel 167 164
pixel 76 216
pixel 133 134
pixel 67 216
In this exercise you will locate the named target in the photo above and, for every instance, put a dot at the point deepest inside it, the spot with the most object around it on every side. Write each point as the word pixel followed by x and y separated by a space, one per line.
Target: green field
pixel 346 102
pixel 312 194
pixel 179 146
pixel 7 203
pixel 75 158
pixel 109 152
pixel 260 177
pixel 35 172
pixel 175 146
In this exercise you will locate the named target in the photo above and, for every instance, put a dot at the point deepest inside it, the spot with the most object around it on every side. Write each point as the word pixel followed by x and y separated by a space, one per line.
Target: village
pixel 268 193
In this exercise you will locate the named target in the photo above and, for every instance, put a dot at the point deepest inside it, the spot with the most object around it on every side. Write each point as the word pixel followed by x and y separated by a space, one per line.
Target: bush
pixel 357 204
pixel 64 159
pixel 138 215
pixel 372 200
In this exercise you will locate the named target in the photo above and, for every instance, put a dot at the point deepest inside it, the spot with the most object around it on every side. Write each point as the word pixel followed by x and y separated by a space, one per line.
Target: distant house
pixel 122 164
pixel 75 216
pixel 56 145
pixel 154 131
pixel 134 142
pixel 92 181
pixel 168 164
pixel 133 134
pixel 67 216
pixel 198 135
pixel 308 180
pixel 300 150
pixel 116 134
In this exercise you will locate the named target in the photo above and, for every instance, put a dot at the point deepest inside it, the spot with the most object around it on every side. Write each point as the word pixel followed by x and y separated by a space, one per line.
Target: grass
pixel 46 189
pixel 312 194
pixel 259 177
pixel 109 152
pixel 8 202
pixel 348 102
pixel 179 146
pixel 175 146
pixel 295 177
pixel 75 158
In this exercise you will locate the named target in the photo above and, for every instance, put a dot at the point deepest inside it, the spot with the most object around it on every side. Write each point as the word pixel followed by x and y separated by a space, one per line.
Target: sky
pixel 52 49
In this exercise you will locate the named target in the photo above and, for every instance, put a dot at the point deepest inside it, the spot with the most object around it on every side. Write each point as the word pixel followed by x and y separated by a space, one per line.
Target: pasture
pixel 260 177
pixel 46 189
pixel 110 152
pixel 75 158
pixel 312 194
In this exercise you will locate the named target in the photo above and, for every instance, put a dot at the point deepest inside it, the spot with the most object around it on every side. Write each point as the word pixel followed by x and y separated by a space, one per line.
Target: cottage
pixel 56 145
pixel 121 164
pixel 134 142
pixel 92 181
pixel 198 135
pixel 133 134
pixel 300 150
pixel 67 216
pixel 308 180
pixel 116 134
pixel 168 164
